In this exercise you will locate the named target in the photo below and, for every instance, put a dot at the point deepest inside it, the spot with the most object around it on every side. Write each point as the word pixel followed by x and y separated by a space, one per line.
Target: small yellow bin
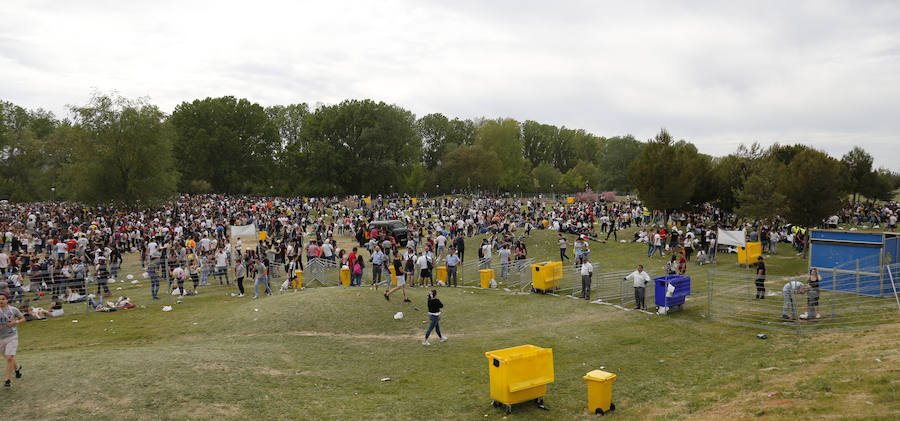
pixel 486 276
pixel 519 374
pixel 570 200
pixel 442 274
pixel 393 275
pixel 599 389
pixel 345 277
pixel 749 255
pixel 263 235
pixel 298 279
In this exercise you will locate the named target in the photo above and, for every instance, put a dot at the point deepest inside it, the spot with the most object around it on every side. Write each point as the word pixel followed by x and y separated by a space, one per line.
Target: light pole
pixel 53 194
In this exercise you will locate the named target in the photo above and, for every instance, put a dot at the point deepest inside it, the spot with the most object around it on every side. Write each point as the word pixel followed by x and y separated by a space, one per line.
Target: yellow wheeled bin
pixel 749 255
pixel 393 275
pixel 263 235
pixel 570 200
pixel 298 279
pixel 442 274
pixel 545 276
pixel 486 276
pixel 519 374
pixel 599 388
pixel 345 277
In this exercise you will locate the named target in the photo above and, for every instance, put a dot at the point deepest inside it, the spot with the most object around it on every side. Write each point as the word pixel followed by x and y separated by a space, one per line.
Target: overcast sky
pixel 715 73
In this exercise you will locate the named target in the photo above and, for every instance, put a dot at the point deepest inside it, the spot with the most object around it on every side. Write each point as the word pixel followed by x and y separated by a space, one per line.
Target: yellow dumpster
pixel 368 200
pixel 519 374
pixel 599 388
pixel 298 279
pixel 442 274
pixel 749 255
pixel 393 275
pixel 545 276
pixel 263 235
pixel 345 277
pixel 486 276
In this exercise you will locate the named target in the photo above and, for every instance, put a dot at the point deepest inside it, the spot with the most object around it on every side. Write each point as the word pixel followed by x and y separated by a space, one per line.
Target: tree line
pixel 116 149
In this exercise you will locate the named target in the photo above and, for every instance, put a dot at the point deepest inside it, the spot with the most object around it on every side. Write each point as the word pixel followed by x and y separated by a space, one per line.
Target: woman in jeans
pixel 434 314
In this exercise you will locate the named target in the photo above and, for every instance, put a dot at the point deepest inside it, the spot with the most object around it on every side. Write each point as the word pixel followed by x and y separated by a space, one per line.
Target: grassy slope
pixel 321 353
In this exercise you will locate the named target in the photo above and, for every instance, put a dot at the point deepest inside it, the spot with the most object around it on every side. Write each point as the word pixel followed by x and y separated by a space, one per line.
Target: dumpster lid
pixel 599 376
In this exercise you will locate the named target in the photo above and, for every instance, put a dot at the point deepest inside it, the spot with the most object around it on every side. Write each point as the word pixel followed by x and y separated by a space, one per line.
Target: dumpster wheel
pixel 495 404
pixel 540 403
pixel 508 409
pixel 612 407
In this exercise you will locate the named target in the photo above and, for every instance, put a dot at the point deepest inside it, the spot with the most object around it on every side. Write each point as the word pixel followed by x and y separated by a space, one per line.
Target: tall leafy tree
pixel 228 142
pixel 355 147
pixel 122 152
pixel 760 197
pixel 503 137
pixel 858 166
pixel 665 173
pixel 546 178
pixel 437 138
pixel 614 157
pixel 472 167
pixel 814 189
pixel 537 139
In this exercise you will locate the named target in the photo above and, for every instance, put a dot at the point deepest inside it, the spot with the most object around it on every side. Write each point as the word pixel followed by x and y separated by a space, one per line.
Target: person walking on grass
pixel 401 278
pixel 562 248
pixel 10 317
pixel 640 279
pixel 239 271
pixel 262 277
pixel 434 316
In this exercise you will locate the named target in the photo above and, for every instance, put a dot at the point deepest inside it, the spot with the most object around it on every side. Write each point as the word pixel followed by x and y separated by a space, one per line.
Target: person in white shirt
pixel 221 269
pixel 640 279
pixel 424 270
pixel 328 251
pixel 587 271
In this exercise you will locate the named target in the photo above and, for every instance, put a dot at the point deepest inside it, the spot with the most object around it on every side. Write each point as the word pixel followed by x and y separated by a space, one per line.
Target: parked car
pixel 395 228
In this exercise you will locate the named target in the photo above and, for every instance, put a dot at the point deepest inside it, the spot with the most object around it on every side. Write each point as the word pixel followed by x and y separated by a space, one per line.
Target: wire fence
pixel 858 294
pixel 843 299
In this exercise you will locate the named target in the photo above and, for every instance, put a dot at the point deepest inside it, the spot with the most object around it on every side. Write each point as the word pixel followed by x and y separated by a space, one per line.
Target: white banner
pixel 243 231
pixel 732 238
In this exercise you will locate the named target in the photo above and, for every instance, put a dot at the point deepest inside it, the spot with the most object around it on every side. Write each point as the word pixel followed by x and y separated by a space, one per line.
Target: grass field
pixel 321 354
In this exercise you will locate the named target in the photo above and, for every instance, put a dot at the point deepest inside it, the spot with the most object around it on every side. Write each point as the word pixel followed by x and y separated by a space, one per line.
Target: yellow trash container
pixel 545 276
pixel 750 254
pixel 599 388
pixel 442 274
pixel 298 279
pixel 345 277
pixel 486 276
pixel 519 374
pixel 263 235
pixel 570 200
pixel 393 274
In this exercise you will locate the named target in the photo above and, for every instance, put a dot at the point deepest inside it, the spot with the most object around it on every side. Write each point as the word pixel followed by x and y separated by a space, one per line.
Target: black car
pixel 394 228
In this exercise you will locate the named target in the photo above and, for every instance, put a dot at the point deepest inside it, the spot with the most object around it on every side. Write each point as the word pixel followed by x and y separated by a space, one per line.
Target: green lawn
pixel 321 354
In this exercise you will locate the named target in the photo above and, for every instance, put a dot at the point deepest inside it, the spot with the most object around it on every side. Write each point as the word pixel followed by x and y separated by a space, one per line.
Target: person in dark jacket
pixel 434 314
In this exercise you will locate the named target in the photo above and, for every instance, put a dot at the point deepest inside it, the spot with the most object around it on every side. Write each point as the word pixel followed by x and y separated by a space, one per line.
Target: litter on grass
pixel 398 316
pixel 167 308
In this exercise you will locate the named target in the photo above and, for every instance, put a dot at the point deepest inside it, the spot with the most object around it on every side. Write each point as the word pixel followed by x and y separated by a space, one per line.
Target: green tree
pixel 470 167
pixel 879 185
pixel 546 178
pixel 814 188
pixel 437 138
pixel 503 137
pixel 537 139
pixel 355 147
pixel 228 142
pixel 858 167
pixel 760 197
pixel 122 153
pixel 614 157
pixel 588 173
pixel 665 173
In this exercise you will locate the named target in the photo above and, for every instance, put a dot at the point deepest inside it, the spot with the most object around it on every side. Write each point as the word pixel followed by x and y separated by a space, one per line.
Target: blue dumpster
pixel 682 286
